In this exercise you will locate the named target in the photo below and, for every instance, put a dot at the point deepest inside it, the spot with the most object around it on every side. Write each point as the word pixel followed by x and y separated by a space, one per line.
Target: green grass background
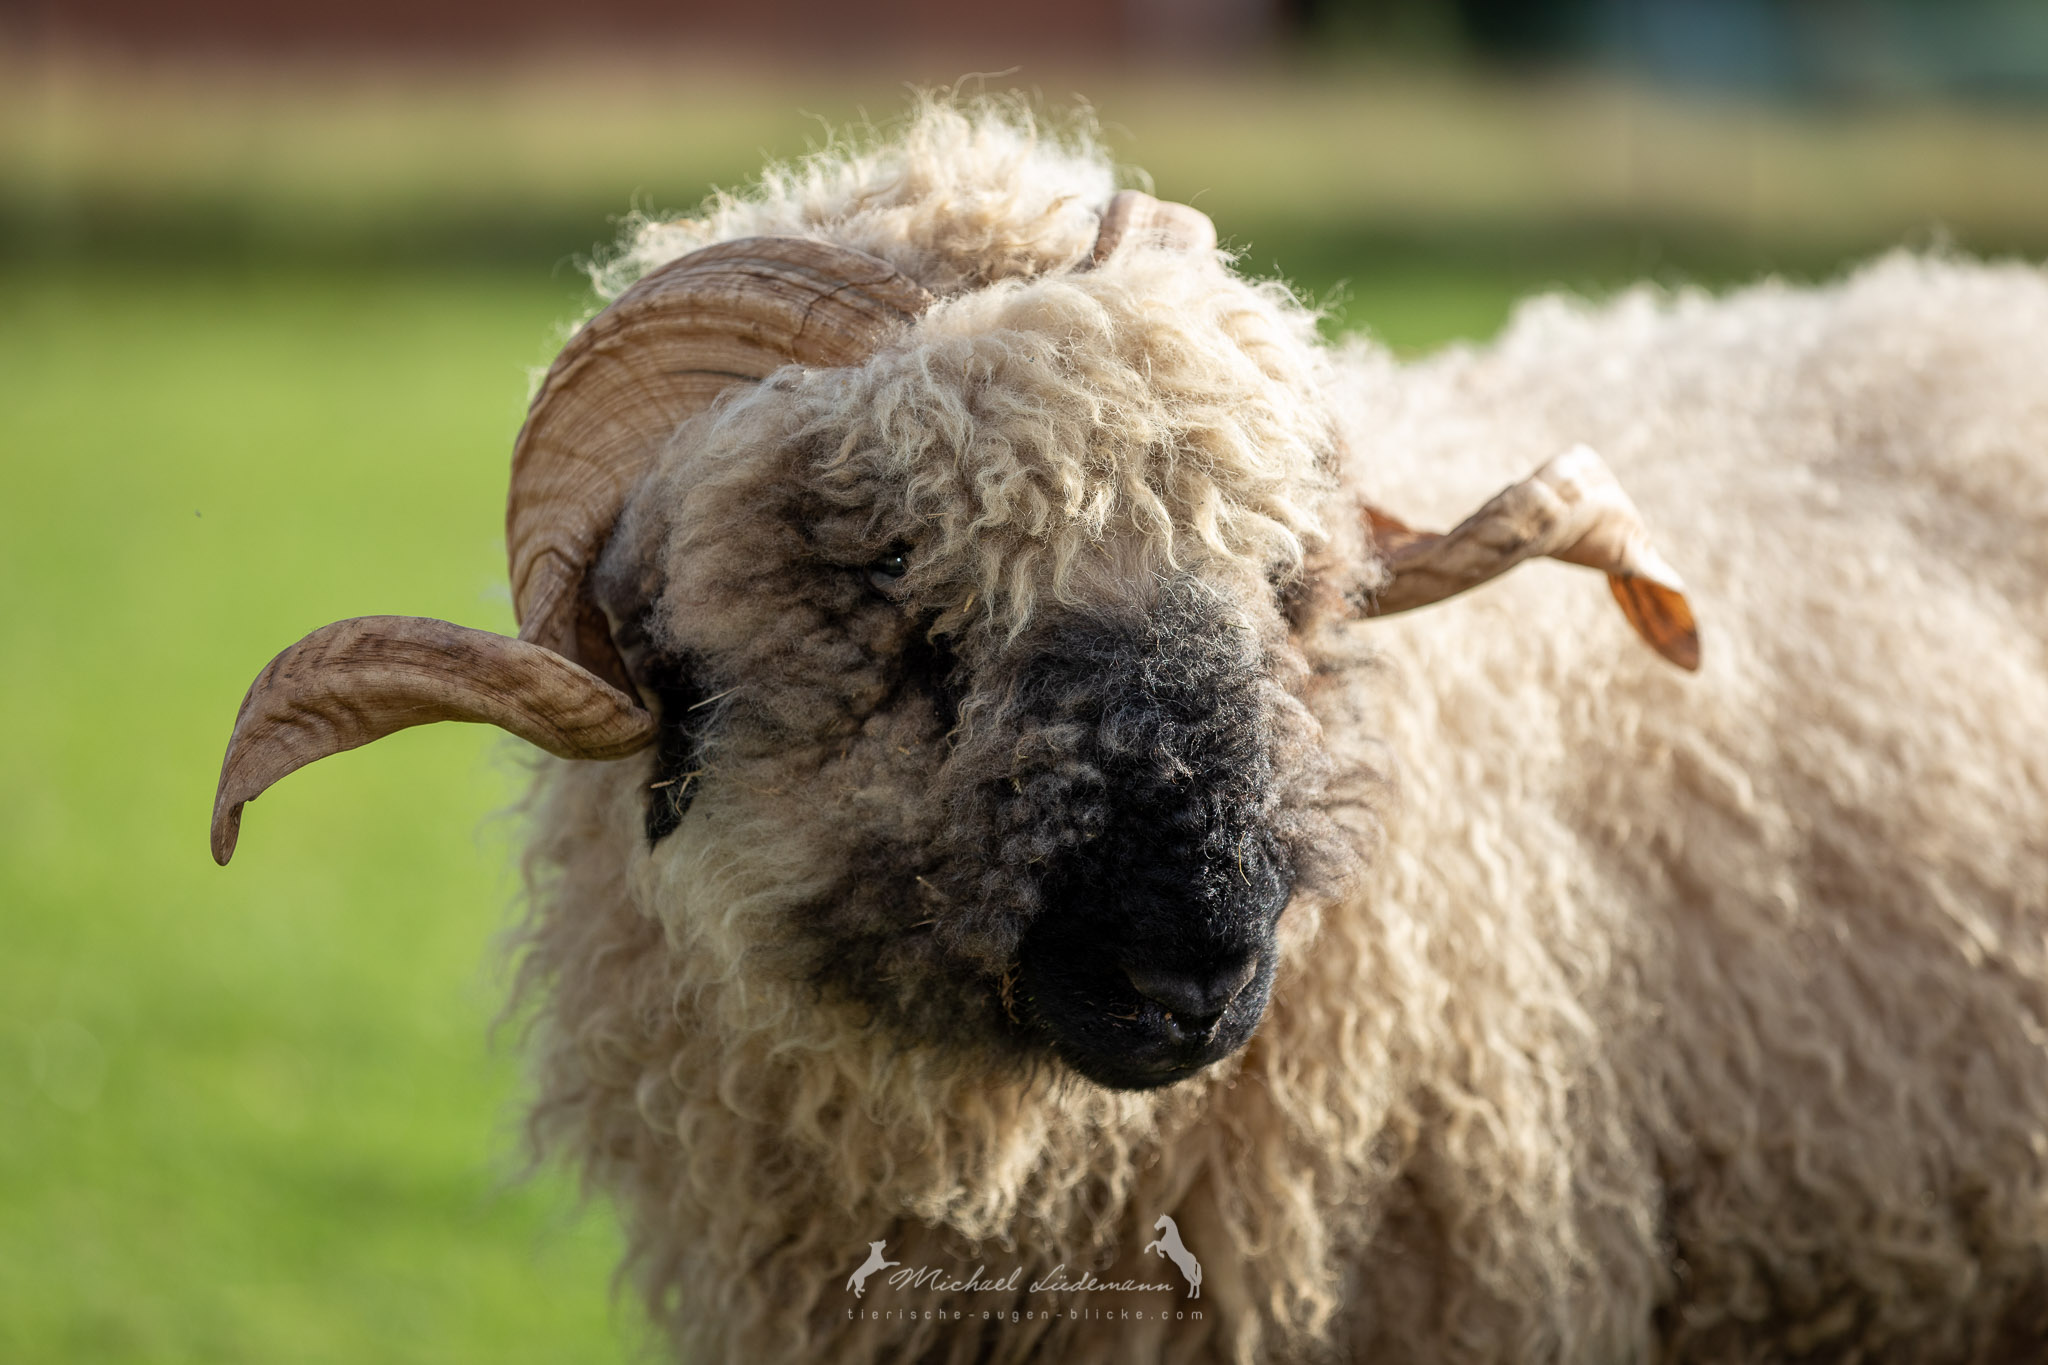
pixel 252 1114
pixel 263 349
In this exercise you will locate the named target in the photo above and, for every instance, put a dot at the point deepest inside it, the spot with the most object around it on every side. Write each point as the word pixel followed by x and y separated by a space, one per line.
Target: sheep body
pixel 1702 1016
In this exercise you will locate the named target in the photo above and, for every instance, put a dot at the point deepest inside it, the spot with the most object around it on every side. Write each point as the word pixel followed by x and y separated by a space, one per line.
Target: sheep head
pixel 979 618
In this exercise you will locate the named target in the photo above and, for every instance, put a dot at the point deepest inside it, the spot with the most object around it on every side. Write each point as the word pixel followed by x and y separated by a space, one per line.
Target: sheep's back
pixel 1779 924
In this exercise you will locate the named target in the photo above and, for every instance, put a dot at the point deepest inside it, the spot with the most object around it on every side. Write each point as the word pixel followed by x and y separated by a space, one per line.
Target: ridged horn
pixel 733 312
pixel 730 313
pixel 1572 509
pixel 1134 215
pixel 362 679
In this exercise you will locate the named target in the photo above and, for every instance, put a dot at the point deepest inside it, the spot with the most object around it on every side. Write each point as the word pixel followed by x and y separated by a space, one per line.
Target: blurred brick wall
pixel 807 28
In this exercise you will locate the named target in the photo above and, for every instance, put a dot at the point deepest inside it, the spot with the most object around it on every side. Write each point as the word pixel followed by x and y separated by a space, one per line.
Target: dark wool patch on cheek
pixel 874 939
pixel 928 668
pixel 679 743
pixel 873 944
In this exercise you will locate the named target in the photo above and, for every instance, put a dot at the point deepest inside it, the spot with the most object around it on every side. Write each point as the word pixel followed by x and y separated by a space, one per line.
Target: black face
pixel 1076 843
pixel 1146 770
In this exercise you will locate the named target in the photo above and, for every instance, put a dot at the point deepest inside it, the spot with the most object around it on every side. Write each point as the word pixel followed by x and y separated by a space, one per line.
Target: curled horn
pixel 660 353
pixel 730 313
pixel 1138 216
pixel 362 679
pixel 1572 509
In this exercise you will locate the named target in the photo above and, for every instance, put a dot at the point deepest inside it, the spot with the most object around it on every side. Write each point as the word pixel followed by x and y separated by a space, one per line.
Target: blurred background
pixel 272 280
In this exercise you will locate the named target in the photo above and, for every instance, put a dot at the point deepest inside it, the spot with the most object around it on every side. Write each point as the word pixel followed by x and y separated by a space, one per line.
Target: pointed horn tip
pixel 227 803
pixel 227 825
pixel 356 681
pixel 231 793
pixel 1682 651
pixel 1661 616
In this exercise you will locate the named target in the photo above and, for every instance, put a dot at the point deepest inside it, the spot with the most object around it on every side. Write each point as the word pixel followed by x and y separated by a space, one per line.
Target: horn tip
pixel 227 827
pixel 1661 616
pixel 1683 650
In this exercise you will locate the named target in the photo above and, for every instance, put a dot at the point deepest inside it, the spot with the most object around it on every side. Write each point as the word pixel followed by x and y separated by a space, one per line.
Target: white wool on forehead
pixel 1039 412
pixel 1158 402
pixel 965 193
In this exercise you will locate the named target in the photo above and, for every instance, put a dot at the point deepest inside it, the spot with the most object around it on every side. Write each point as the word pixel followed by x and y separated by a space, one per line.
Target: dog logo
pixel 1170 1246
pixel 857 1282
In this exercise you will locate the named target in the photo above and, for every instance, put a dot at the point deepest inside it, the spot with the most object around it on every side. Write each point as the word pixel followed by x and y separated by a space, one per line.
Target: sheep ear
pixel 627 587
pixel 1572 509
pixel 623 590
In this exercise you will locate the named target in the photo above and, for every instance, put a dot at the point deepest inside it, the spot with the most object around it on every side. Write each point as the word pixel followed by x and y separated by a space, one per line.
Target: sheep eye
pixel 884 572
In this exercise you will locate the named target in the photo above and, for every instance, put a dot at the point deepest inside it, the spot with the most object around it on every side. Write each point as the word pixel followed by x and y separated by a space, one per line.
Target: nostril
pixel 1197 999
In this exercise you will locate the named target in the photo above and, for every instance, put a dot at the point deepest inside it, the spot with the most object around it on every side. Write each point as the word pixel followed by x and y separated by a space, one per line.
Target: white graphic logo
pixel 1170 1246
pixel 857 1282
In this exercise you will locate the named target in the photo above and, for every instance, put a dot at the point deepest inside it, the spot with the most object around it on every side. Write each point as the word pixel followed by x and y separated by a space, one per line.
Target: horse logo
pixel 857 1282
pixel 1170 1246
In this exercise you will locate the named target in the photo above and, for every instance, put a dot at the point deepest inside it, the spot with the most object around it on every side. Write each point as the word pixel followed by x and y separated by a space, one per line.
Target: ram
pixel 1011 844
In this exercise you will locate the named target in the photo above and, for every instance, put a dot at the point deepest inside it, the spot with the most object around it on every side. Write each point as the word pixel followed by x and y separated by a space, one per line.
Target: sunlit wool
pixel 1628 1015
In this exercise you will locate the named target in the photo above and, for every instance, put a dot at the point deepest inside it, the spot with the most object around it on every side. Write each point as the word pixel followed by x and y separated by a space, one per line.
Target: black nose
pixel 1194 1000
